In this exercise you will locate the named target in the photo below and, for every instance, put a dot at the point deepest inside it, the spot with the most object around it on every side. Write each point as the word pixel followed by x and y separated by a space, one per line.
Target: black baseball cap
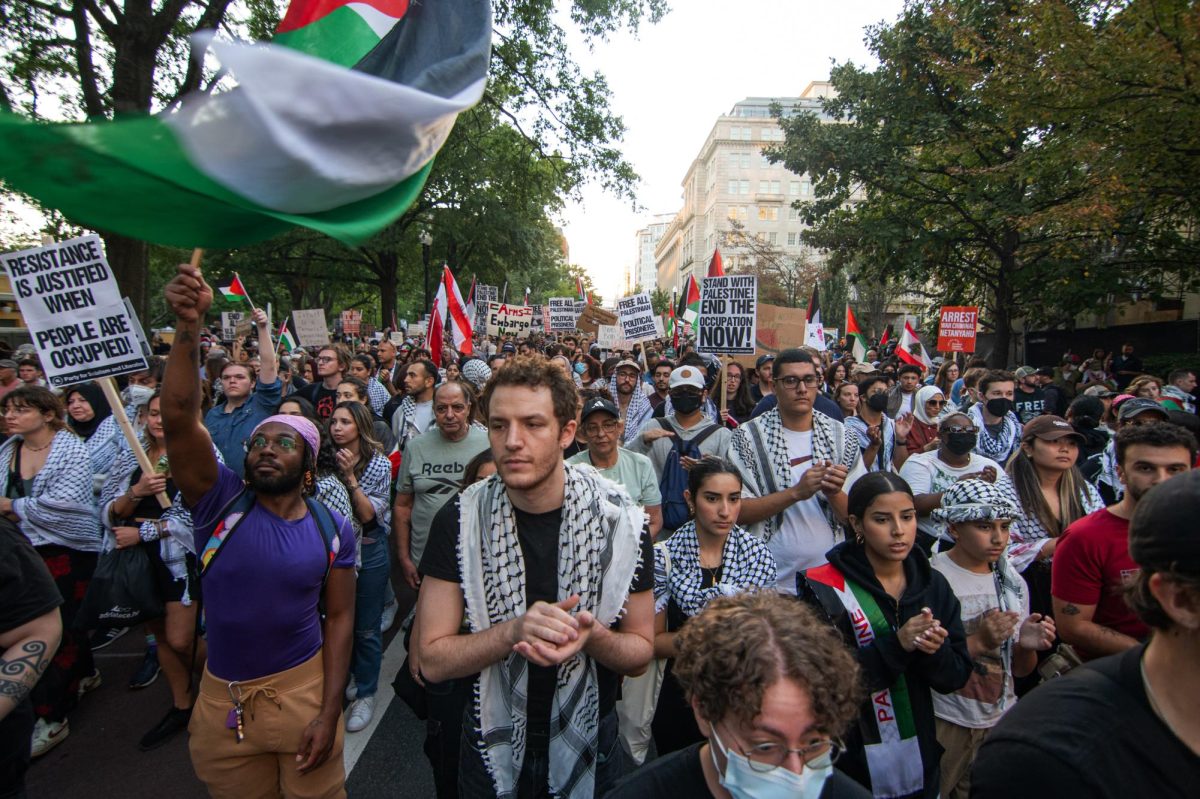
pixel 1162 532
pixel 1139 405
pixel 763 359
pixel 599 404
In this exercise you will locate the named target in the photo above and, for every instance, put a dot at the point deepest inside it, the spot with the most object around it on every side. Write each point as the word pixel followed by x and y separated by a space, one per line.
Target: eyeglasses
pixel 791 382
pixel 936 403
pixel 285 443
pixel 325 358
pixel 820 753
pixel 952 430
pixel 608 426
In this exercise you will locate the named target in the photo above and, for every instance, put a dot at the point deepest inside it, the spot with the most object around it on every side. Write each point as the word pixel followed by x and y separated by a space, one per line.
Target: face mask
pixel 878 402
pixel 743 782
pixel 136 395
pixel 999 406
pixel 961 443
pixel 580 368
pixel 686 403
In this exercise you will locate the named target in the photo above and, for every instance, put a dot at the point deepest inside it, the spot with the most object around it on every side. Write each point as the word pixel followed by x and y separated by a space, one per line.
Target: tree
pixel 936 171
pixel 783 279
pixel 660 300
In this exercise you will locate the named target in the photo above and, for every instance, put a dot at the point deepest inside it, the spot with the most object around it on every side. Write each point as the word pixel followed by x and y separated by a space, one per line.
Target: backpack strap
pixel 227 520
pixel 703 434
pixel 329 532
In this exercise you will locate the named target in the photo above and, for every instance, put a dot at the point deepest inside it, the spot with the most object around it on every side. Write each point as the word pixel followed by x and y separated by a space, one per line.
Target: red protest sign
pixel 956 331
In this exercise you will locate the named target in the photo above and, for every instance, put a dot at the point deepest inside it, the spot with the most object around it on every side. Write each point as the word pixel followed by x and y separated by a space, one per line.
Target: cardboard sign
pixel 592 318
pixel 728 315
pixel 504 320
pixel 352 322
pixel 396 338
pixel 229 324
pixel 310 327
pixel 956 330
pixel 69 298
pixel 637 317
pixel 778 329
pixel 562 314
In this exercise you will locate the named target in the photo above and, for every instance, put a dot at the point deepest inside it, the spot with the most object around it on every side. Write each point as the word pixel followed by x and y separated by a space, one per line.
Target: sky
pixel 672 81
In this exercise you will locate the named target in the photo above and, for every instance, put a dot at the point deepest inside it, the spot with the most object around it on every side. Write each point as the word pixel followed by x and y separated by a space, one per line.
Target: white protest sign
pixel 637 317
pixel 310 327
pixel 418 328
pixel 396 338
pixel 505 319
pixel 229 323
pixel 607 336
pixel 538 323
pixel 562 314
pixel 69 298
pixel 658 328
pixel 728 313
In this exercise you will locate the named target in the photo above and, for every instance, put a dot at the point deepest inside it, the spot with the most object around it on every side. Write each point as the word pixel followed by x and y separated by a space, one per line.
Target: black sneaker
pixel 104 637
pixel 148 671
pixel 173 722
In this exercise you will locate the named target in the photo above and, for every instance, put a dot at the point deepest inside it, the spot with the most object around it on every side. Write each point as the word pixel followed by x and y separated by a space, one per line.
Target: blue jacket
pixel 229 431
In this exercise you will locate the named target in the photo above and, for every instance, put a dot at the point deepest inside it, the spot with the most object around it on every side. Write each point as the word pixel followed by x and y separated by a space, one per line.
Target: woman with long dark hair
pixel 901 618
pixel 835 375
pixel 705 558
pixel 366 473
pixel 739 405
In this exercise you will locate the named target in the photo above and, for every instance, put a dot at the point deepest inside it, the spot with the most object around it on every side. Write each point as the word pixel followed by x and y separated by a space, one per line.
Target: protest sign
pixel 245 326
pixel 728 314
pixel 607 336
pixel 352 322
pixel 310 327
pixel 562 314
pixel 71 304
pixel 504 320
pixel 418 328
pixel 579 306
pixel 658 328
pixel 637 317
pixel 956 330
pixel 537 324
pixel 592 318
pixel 229 324
pixel 396 338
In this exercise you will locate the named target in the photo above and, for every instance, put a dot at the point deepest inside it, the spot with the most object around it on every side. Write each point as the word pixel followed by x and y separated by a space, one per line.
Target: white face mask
pixel 743 782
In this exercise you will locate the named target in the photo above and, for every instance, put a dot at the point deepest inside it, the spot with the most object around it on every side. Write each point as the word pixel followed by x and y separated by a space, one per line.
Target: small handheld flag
pixel 234 290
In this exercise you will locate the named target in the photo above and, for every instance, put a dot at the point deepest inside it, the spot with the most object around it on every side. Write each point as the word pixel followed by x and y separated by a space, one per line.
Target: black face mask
pixel 878 402
pixel 999 406
pixel 961 443
pixel 686 403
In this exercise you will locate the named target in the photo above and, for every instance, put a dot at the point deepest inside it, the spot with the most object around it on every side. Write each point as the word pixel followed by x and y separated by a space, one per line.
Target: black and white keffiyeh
pixel 599 553
pixel 759 451
pixel 887 446
pixel 746 564
pixel 636 414
pixel 976 500
pixel 999 447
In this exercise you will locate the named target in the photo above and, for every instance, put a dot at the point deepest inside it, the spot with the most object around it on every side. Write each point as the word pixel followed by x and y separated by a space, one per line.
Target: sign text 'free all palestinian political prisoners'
pixel 728 312
pixel 562 314
pixel 70 300
pixel 504 320
pixel 637 317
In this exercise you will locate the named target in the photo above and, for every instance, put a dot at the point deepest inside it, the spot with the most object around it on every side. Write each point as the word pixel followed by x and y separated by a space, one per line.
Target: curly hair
pixel 739 646
pixel 534 372
pixel 41 399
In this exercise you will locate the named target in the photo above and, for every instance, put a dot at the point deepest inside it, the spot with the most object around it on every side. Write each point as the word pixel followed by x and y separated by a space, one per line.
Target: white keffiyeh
pixel 636 414
pixel 999 447
pixel 746 564
pixel 599 553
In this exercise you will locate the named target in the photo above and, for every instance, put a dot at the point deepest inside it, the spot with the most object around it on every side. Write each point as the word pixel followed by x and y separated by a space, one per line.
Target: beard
pixel 276 484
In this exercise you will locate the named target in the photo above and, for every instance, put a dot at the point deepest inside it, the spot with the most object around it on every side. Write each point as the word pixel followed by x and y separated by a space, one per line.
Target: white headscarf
pixel 925 394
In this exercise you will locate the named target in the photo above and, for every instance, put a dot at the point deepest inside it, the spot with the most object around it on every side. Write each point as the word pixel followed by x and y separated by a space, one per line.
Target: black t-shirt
pixel 27 590
pixel 538 535
pixel 323 399
pixel 1029 404
pixel 1090 733
pixel 681 774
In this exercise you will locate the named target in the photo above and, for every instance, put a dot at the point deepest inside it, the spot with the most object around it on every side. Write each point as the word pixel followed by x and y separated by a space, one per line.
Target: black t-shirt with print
pixel 538 535
pixel 323 399
pixel 1029 405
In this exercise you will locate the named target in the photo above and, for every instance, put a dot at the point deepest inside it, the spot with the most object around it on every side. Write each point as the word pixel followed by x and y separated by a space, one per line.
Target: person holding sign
pixel 267 720
pixel 794 462
pixel 246 403
pixel 46 488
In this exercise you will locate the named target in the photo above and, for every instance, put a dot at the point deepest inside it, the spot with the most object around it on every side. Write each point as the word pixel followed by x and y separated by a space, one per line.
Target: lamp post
pixel 426 243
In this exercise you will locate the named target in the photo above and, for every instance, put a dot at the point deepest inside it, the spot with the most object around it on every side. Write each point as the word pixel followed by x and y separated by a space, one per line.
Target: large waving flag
pixel 689 301
pixel 332 126
pixel 458 321
pixel 911 350
pixel 715 267
pixel 855 335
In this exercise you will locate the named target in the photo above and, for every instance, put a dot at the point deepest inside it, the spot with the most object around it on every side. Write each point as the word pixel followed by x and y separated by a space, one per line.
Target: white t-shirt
pixel 926 473
pixel 804 536
pixel 987 696
pixel 423 415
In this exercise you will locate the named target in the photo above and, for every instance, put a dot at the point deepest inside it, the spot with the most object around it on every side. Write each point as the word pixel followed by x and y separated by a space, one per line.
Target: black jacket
pixel 882 662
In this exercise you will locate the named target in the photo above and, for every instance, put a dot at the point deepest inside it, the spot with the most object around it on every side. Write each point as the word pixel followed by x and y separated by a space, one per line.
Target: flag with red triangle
pixel 858 342
pixel 911 350
pixel 715 267
pixel 689 301
pixel 234 290
pixel 887 337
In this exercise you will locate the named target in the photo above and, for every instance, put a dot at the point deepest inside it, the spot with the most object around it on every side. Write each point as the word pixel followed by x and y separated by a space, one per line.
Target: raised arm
pixel 268 366
pixel 187 441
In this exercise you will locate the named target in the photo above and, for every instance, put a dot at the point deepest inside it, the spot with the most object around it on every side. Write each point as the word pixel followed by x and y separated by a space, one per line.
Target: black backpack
pixel 674 479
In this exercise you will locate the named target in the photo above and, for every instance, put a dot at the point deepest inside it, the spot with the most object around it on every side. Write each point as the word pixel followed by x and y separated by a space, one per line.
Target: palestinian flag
pixel 689 301
pixel 287 342
pixel 814 331
pixel 855 336
pixel 331 126
pixel 234 290
pixel 887 337
pixel 715 267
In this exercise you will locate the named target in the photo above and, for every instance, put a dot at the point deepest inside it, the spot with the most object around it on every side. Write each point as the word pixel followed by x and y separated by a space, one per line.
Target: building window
pixel 768 213
pixel 794 188
pixel 775 187
pixel 764 186
pixel 793 213
pixel 733 187
pixel 745 187
pixel 745 160
pixel 764 161
pixel 735 160
pixel 772 238
pixel 792 239
pixel 805 189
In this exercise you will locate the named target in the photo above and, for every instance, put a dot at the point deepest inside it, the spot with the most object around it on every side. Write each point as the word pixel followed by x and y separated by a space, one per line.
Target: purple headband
pixel 306 429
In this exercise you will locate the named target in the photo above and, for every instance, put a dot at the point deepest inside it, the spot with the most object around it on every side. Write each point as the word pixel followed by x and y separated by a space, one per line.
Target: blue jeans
pixel 368 608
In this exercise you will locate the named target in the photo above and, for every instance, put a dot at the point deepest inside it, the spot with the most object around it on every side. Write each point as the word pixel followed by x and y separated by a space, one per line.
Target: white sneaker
pixel 389 616
pixel 47 735
pixel 351 690
pixel 360 714
pixel 90 683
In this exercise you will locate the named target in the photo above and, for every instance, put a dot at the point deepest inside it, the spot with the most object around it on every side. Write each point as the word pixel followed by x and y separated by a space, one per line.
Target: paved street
pixel 101 757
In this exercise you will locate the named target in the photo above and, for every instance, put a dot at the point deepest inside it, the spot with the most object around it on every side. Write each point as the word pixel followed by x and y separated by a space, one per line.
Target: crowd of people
pixel 626 574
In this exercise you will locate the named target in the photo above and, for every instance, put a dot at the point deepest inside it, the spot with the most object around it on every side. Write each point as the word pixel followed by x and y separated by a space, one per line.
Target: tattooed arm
pixel 27 652
pixel 1075 626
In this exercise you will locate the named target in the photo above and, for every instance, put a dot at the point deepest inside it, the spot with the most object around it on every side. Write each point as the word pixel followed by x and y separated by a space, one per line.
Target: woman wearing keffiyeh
pixel 710 556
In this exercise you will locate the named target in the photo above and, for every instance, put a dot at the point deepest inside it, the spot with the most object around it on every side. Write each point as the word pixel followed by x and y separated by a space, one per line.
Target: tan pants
pixel 277 709
pixel 960 745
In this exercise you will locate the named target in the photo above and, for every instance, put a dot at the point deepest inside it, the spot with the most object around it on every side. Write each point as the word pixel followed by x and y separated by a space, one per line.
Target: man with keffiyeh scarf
pixel 552 567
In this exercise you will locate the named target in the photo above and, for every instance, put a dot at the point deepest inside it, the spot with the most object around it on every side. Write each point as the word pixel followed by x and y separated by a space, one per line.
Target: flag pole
pixel 253 307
